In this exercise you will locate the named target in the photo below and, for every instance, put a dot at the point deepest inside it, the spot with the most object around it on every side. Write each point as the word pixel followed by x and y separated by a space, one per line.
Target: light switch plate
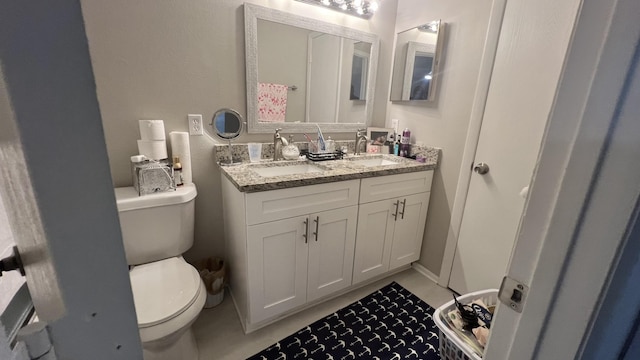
pixel 195 124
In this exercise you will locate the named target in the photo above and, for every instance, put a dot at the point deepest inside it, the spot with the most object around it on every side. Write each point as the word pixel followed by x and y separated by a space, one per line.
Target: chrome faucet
pixel 361 138
pixel 278 143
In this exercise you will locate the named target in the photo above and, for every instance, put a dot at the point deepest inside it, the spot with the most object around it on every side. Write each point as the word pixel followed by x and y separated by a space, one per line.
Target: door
pixel 526 73
pixel 277 252
pixel 331 245
pixel 373 241
pixel 65 223
pixel 409 229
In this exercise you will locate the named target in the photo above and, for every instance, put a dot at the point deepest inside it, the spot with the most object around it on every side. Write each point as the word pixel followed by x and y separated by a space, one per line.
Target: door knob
pixel 481 168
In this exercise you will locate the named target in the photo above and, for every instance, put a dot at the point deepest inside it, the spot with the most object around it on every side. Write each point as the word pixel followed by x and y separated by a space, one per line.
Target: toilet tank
pixel 156 226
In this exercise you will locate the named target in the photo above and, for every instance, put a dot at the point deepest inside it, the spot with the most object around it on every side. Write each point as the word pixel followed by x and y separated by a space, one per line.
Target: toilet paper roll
pixel 180 147
pixel 153 149
pixel 151 129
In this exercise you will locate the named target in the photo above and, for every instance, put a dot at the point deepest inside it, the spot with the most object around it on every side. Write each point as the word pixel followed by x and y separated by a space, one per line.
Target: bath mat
pixel 391 324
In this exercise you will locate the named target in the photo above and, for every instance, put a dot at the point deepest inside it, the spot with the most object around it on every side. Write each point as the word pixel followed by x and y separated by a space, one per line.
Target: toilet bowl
pixel 167 291
pixel 168 296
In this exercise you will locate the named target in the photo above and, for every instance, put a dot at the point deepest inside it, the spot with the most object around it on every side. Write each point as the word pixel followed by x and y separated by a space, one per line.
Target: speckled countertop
pixel 246 178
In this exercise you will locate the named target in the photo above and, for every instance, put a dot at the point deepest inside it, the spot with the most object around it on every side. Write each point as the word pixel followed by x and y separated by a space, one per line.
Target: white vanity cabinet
pixel 391 219
pixel 290 246
pixel 301 259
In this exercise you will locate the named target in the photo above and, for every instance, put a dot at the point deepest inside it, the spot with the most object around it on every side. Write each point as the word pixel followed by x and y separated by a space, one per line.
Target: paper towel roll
pixel 180 147
pixel 153 149
pixel 151 129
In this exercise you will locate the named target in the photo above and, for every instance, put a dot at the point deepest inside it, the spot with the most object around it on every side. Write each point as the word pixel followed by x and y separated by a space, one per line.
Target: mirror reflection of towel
pixel 272 102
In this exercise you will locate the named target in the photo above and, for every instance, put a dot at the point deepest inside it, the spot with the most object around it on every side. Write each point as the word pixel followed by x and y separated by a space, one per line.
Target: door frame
pixel 473 137
pixel 581 177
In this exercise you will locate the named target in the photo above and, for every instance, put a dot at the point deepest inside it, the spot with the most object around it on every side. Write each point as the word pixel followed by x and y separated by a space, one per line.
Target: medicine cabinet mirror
pixel 416 65
pixel 302 72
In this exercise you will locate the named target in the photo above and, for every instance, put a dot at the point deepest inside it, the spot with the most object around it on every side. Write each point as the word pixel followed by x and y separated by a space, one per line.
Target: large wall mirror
pixel 416 63
pixel 302 72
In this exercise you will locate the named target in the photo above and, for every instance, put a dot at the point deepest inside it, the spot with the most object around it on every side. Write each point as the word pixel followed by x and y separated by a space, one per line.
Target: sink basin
pixel 374 162
pixel 287 170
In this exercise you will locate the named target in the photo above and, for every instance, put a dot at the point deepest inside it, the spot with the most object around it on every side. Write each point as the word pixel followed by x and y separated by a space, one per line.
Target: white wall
pixel 444 123
pixel 164 59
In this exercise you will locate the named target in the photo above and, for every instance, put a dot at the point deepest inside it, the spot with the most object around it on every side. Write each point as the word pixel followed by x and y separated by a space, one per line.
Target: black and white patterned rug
pixel 391 324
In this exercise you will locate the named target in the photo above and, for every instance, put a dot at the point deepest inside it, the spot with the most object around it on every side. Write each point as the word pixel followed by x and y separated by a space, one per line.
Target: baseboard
pixel 424 271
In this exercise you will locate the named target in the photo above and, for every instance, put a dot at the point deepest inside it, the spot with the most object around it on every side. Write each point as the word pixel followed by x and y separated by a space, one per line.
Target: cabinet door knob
pixel 317 221
pixel 404 203
pixel 395 215
pixel 306 230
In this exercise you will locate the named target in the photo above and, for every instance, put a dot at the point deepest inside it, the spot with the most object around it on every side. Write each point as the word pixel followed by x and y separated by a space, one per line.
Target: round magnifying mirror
pixel 227 124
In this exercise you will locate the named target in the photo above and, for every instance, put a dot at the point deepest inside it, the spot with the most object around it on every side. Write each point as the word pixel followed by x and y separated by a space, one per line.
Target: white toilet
pixel 168 292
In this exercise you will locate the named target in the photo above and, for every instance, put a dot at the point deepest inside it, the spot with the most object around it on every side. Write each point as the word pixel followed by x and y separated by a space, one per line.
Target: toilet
pixel 168 292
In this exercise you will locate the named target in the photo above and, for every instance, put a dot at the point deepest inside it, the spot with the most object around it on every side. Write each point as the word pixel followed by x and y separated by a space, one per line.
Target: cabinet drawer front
pixel 391 186
pixel 285 203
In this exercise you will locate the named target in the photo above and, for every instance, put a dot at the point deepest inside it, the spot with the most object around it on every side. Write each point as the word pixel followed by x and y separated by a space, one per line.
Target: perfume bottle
pixel 177 171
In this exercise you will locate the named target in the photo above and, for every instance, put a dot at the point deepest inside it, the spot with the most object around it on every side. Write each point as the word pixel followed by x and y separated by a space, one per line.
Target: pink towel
pixel 272 102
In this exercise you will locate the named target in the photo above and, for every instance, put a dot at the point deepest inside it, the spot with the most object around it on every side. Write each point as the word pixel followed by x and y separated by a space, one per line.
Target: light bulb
pixel 344 7
pixel 325 2
pixel 373 6
pixel 428 77
pixel 357 3
pixel 360 10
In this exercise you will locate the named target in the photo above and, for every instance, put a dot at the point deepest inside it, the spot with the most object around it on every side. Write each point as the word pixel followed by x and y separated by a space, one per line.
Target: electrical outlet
pixel 195 124
pixel 394 123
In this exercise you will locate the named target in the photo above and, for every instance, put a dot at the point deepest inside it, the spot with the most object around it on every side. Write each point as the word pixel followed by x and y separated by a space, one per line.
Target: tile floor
pixel 219 333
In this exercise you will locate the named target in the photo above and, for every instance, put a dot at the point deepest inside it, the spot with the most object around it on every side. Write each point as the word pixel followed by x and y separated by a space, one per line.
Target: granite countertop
pixel 246 179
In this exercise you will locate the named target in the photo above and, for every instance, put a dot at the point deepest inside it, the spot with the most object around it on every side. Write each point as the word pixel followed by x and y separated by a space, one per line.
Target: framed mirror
pixel 416 66
pixel 302 72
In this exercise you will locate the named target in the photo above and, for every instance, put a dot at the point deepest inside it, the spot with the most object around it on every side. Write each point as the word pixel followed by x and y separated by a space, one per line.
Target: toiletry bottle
pixel 177 171
pixel 405 147
pixel 291 151
pixel 396 148
pixel 330 145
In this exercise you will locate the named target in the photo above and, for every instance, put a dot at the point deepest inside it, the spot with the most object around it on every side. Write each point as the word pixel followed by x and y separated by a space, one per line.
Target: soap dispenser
pixel 291 151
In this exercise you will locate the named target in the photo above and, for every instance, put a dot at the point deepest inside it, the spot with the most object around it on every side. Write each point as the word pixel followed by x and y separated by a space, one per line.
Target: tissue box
pixel 150 177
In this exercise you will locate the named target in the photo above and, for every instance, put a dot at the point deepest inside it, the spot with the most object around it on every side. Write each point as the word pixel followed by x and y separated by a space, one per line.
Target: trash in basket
pixel 213 272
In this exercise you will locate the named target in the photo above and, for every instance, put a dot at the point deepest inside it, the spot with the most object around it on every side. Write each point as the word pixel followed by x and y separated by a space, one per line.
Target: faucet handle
pixel 360 131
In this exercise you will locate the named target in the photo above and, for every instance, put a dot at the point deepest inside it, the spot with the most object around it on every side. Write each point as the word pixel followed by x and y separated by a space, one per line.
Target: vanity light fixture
pixel 431 27
pixel 361 8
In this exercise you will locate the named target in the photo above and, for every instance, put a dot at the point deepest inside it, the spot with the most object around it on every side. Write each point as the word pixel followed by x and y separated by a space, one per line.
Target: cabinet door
pixel 373 239
pixel 331 251
pixel 409 229
pixel 277 266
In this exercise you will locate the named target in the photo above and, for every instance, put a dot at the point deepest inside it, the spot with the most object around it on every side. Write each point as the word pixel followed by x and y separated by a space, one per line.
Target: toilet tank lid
pixel 127 197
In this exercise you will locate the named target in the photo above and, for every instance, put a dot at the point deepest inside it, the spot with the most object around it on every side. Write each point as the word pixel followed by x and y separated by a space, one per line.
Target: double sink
pixel 297 168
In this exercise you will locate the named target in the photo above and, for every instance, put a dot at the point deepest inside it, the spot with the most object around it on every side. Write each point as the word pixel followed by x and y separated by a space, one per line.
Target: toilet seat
pixel 163 290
